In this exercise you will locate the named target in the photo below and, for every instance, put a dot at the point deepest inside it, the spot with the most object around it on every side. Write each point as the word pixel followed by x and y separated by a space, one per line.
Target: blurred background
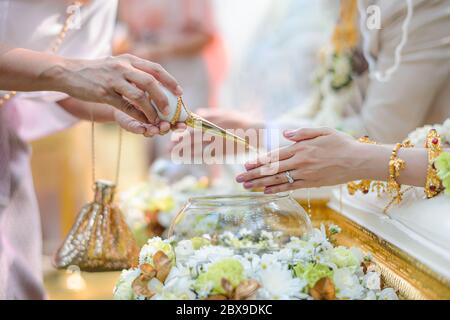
pixel 252 55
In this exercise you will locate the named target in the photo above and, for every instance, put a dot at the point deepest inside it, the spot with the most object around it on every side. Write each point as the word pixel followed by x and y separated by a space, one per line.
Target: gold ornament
pixel 396 165
pixel 433 185
pixel 100 239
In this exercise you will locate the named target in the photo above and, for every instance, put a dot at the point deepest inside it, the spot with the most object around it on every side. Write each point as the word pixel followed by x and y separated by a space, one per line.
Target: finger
pixel 179 126
pixel 164 127
pixel 266 170
pixel 273 156
pixel 129 124
pixel 277 179
pixel 151 130
pixel 159 73
pixel 307 133
pixel 149 84
pixel 126 107
pixel 137 97
pixel 299 184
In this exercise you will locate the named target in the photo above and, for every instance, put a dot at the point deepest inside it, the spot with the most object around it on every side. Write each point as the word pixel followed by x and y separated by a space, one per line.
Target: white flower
pixel 278 283
pixel 372 281
pixel 154 245
pixel 370 295
pixel 210 254
pixel 347 284
pixel 183 250
pixel 123 289
pixel 388 294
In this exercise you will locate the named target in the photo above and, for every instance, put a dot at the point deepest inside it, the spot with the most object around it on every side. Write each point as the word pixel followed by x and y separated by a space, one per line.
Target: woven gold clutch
pixel 100 239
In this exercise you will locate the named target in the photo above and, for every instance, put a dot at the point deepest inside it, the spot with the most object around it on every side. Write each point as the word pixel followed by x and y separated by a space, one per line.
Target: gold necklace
pixel 54 48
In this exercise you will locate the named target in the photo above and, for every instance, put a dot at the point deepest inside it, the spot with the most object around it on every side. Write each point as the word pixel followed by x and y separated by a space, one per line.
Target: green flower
pixel 442 164
pixel 199 242
pixel 154 245
pixel 312 272
pixel 343 257
pixel 230 269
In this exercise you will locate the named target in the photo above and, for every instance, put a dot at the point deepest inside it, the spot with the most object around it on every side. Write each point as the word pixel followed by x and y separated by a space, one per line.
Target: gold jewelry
pixel 395 166
pixel 177 114
pixel 433 185
pixel 54 48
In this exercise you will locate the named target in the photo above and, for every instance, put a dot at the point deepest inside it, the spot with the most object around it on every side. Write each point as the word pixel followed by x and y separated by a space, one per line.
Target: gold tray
pixel 412 279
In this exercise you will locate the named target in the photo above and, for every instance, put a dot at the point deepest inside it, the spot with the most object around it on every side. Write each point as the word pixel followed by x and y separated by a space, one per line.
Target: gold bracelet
pixel 433 185
pixel 395 166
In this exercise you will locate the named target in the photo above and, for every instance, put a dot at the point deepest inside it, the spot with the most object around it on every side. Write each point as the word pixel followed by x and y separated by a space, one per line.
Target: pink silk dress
pixel 34 25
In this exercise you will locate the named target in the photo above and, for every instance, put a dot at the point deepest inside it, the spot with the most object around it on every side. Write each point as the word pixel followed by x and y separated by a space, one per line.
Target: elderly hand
pixel 125 82
pixel 319 157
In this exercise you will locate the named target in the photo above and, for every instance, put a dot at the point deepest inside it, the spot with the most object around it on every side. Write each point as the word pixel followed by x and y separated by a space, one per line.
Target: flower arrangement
pixel 150 206
pixel 442 164
pixel 419 136
pixel 248 266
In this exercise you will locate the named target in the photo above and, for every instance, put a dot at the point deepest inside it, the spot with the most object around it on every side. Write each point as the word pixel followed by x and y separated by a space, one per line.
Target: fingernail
pixel 289 133
pixel 179 90
pixel 240 178
pixel 268 191
pixel 248 166
pixel 248 185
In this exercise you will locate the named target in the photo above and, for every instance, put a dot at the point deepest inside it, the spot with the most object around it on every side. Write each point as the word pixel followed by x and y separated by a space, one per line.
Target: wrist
pixel 56 77
pixel 376 162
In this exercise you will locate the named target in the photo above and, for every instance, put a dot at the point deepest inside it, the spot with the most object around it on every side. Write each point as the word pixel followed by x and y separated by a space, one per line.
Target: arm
pixel 325 157
pixel 104 113
pixel 127 83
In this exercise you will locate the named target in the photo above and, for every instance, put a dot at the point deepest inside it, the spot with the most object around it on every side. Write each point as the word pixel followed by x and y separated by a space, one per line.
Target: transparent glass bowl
pixel 253 216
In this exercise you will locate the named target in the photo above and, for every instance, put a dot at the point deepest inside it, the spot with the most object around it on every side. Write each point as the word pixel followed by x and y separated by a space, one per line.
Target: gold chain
pixel 55 47
pixel 94 158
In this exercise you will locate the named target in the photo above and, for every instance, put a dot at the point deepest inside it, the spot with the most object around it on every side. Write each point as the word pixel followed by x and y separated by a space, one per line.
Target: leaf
pixel 228 287
pixel 163 265
pixel 246 289
pixel 148 270
pixel 324 289
pixel 140 286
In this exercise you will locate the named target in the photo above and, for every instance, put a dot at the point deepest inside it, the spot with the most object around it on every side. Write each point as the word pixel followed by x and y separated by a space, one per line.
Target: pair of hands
pixel 130 84
pixel 318 157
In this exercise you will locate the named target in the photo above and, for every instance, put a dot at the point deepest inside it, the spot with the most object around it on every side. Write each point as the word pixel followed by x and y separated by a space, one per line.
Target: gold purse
pixel 100 239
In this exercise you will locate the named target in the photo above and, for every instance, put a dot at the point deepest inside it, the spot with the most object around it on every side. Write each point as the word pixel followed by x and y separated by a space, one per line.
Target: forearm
pixel 85 110
pixel 27 70
pixel 376 164
pixel 190 44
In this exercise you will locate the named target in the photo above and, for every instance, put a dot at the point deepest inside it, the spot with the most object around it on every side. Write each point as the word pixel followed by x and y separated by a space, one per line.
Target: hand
pixel 126 82
pixel 319 157
pixel 148 130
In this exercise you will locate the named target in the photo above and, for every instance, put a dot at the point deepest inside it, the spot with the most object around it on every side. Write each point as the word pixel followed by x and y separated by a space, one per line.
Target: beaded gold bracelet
pixel 433 185
pixel 395 166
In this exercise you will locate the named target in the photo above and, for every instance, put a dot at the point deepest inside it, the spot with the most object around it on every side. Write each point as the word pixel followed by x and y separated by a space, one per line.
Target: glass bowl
pixel 254 217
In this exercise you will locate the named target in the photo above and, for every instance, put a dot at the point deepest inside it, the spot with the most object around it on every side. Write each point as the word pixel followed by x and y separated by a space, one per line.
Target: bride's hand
pixel 126 82
pixel 319 157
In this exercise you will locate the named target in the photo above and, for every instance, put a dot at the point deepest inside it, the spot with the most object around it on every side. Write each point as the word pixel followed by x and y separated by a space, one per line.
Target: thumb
pixel 307 133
